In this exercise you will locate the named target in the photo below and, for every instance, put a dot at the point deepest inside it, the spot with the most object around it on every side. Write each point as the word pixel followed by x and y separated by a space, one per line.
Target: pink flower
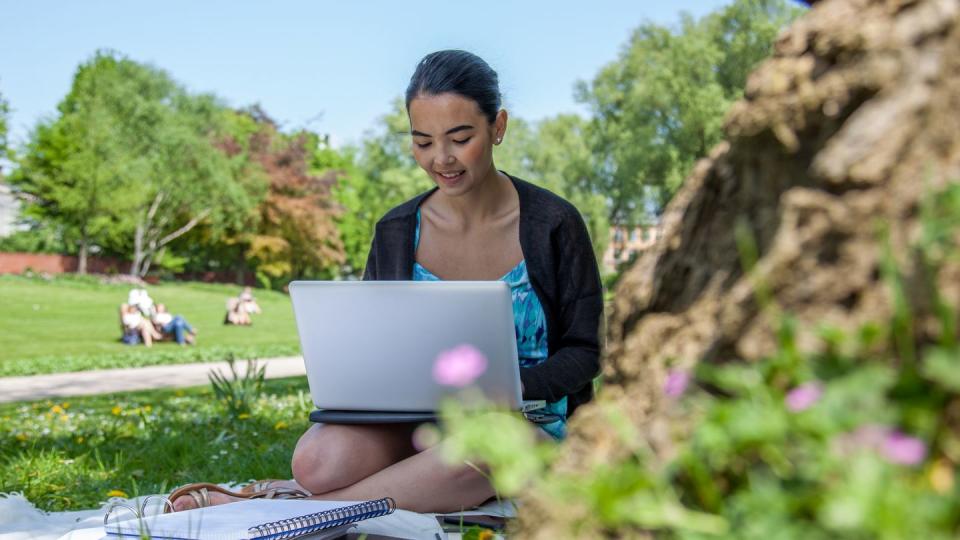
pixel 894 446
pixel 676 383
pixel 903 449
pixel 459 366
pixel 804 396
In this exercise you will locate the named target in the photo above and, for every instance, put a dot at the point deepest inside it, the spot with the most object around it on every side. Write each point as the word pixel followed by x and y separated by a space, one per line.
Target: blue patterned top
pixel 530 324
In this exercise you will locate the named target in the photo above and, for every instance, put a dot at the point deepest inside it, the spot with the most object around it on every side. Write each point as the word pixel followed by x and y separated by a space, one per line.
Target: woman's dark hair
pixel 458 72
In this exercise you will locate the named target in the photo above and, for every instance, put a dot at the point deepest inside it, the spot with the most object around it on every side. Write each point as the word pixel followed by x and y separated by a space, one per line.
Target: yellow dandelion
pixel 22 437
pixel 116 410
pixel 280 425
pixel 64 418
pixel 243 416
pixel 65 405
pixel 941 477
pixel 116 493
pixel 147 408
pixel 485 534
pixel 56 409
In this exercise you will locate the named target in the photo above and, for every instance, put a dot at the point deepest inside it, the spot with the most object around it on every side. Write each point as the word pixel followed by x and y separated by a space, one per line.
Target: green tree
pixel 189 181
pixel 659 107
pixel 131 163
pixel 555 154
pixel 383 176
pixel 74 168
pixel 4 111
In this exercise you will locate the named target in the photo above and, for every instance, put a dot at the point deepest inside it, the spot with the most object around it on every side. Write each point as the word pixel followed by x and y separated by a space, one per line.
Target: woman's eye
pixel 422 145
pixel 464 141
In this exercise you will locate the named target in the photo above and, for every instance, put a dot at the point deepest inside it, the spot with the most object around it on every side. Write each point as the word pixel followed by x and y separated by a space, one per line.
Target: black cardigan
pixel 563 273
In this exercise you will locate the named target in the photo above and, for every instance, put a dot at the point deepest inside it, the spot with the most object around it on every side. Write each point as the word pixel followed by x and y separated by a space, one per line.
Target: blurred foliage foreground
pixel 858 440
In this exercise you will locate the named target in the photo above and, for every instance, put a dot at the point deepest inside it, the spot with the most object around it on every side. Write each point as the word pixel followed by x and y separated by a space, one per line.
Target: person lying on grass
pixel 174 326
pixel 478 223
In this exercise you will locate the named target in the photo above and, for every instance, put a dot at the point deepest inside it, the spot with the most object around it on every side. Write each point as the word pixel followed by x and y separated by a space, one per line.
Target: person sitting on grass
pixel 478 223
pixel 136 327
pixel 240 308
pixel 174 325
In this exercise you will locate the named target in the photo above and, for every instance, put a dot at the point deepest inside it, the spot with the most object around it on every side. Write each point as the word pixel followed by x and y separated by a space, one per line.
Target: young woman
pixel 478 223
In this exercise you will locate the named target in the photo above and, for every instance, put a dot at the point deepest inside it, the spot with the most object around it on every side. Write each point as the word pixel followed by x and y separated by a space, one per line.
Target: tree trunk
pixel 148 241
pixel 847 126
pixel 82 255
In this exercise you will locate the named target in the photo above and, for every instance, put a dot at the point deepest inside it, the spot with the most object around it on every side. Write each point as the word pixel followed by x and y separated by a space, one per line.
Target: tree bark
pixel 82 255
pixel 845 127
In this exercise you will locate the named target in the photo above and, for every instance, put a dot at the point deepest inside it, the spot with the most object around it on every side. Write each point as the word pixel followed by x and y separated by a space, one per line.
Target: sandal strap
pixel 201 497
pixel 284 493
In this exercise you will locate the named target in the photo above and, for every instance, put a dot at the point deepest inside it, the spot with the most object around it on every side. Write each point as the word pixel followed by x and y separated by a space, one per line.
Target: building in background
pixel 627 244
pixel 9 211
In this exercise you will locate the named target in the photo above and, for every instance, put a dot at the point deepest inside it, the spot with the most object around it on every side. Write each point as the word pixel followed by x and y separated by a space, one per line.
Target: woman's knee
pixel 329 457
pixel 325 458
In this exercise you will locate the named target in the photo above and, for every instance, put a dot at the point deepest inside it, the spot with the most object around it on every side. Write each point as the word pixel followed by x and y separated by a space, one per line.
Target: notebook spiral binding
pixel 137 513
pixel 294 527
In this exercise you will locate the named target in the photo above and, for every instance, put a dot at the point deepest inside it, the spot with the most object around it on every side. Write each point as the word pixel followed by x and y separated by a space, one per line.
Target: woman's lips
pixel 449 179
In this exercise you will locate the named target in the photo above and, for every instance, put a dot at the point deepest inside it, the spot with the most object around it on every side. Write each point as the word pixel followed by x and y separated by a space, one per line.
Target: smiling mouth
pixel 450 175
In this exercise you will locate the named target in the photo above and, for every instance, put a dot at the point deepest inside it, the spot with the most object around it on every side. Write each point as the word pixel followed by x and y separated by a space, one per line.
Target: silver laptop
pixel 370 346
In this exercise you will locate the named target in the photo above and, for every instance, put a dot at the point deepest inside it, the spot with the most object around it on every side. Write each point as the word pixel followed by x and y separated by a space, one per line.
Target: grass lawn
pixel 70 455
pixel 72 323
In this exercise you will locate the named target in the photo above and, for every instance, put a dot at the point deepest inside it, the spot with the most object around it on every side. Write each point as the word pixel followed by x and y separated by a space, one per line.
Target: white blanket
pixel 21 520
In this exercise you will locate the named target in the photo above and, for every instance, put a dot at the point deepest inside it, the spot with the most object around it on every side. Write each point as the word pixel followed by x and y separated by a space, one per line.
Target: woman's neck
pixel 490 199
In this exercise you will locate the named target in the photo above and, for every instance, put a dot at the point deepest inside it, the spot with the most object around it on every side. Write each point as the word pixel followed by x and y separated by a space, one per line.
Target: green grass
pixel 72 324
pixel 69 455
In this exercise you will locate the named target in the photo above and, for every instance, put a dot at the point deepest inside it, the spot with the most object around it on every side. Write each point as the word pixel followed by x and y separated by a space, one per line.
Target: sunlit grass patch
pixel 73 454
pixel 72 324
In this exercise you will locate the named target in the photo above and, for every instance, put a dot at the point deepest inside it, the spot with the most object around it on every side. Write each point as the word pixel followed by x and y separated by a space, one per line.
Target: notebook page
pixel 223 522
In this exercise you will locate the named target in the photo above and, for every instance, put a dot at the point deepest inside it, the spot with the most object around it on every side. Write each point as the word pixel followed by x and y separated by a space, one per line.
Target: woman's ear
pixel 500 126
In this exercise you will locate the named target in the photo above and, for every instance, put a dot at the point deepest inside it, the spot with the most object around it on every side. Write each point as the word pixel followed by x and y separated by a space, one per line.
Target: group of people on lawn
pixel 146 322
pixel 143 321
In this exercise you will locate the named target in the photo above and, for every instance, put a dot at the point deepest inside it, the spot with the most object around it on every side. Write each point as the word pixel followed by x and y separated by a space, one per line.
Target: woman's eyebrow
pixel 449 131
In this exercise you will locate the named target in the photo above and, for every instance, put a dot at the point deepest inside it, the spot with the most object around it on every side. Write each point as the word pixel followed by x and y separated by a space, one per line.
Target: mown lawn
pixel 71 454
pixel 72 323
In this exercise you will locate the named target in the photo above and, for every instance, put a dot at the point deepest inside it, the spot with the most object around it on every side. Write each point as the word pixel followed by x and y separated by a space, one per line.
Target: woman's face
pixel 453 141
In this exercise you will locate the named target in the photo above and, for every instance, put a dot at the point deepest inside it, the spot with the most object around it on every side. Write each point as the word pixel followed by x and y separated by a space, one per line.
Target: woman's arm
pixel 576 359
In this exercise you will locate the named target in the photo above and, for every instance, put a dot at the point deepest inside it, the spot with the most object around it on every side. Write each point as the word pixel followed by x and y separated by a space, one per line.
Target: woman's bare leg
pixel 332 456
pixel 147 334
pixel 423 482
pixel 329 457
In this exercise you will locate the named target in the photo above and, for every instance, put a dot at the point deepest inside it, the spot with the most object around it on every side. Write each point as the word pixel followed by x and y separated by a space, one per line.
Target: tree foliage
pixel 297 235
pixel 4 128
pixel 130 164
pixel 554 154
pixel 385 175
pixel 659 107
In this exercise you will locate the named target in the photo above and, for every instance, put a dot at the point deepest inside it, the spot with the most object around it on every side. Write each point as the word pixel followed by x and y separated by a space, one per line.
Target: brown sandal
pixel 200 492
pixel 260 485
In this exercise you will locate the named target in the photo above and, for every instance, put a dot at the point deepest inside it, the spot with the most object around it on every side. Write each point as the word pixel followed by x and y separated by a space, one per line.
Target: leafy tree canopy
pixel 660 105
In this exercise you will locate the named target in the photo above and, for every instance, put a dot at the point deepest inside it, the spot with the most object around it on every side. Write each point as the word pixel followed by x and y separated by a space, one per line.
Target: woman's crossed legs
pixel 360 462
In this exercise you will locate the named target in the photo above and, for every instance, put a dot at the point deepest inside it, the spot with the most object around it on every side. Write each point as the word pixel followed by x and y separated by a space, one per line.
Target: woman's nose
pixel 446 159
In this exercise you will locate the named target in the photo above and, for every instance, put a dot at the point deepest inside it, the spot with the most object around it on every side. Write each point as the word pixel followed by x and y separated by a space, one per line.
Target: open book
pixel 257 519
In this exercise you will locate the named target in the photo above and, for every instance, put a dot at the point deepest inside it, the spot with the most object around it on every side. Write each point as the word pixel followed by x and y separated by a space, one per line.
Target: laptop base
pixel 331 416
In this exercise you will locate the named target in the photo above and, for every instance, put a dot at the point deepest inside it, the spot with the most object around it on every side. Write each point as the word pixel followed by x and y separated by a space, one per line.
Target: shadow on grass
pixel 71 454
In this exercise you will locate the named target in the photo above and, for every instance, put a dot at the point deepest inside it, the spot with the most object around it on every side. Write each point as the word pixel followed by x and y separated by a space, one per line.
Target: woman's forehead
pixel 441 112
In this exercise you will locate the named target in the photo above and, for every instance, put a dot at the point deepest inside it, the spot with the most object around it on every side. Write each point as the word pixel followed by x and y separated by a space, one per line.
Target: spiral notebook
pixel 258 519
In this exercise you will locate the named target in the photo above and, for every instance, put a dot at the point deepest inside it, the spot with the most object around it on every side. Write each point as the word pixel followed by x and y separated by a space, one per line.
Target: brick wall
pixel 18 263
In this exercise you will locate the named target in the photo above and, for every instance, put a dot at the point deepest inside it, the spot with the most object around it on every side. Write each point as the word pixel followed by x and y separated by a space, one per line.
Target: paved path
pixel 105 381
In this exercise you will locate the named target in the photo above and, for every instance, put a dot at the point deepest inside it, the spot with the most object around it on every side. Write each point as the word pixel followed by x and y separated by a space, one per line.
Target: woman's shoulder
pixel 540 203
pixel 404 210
